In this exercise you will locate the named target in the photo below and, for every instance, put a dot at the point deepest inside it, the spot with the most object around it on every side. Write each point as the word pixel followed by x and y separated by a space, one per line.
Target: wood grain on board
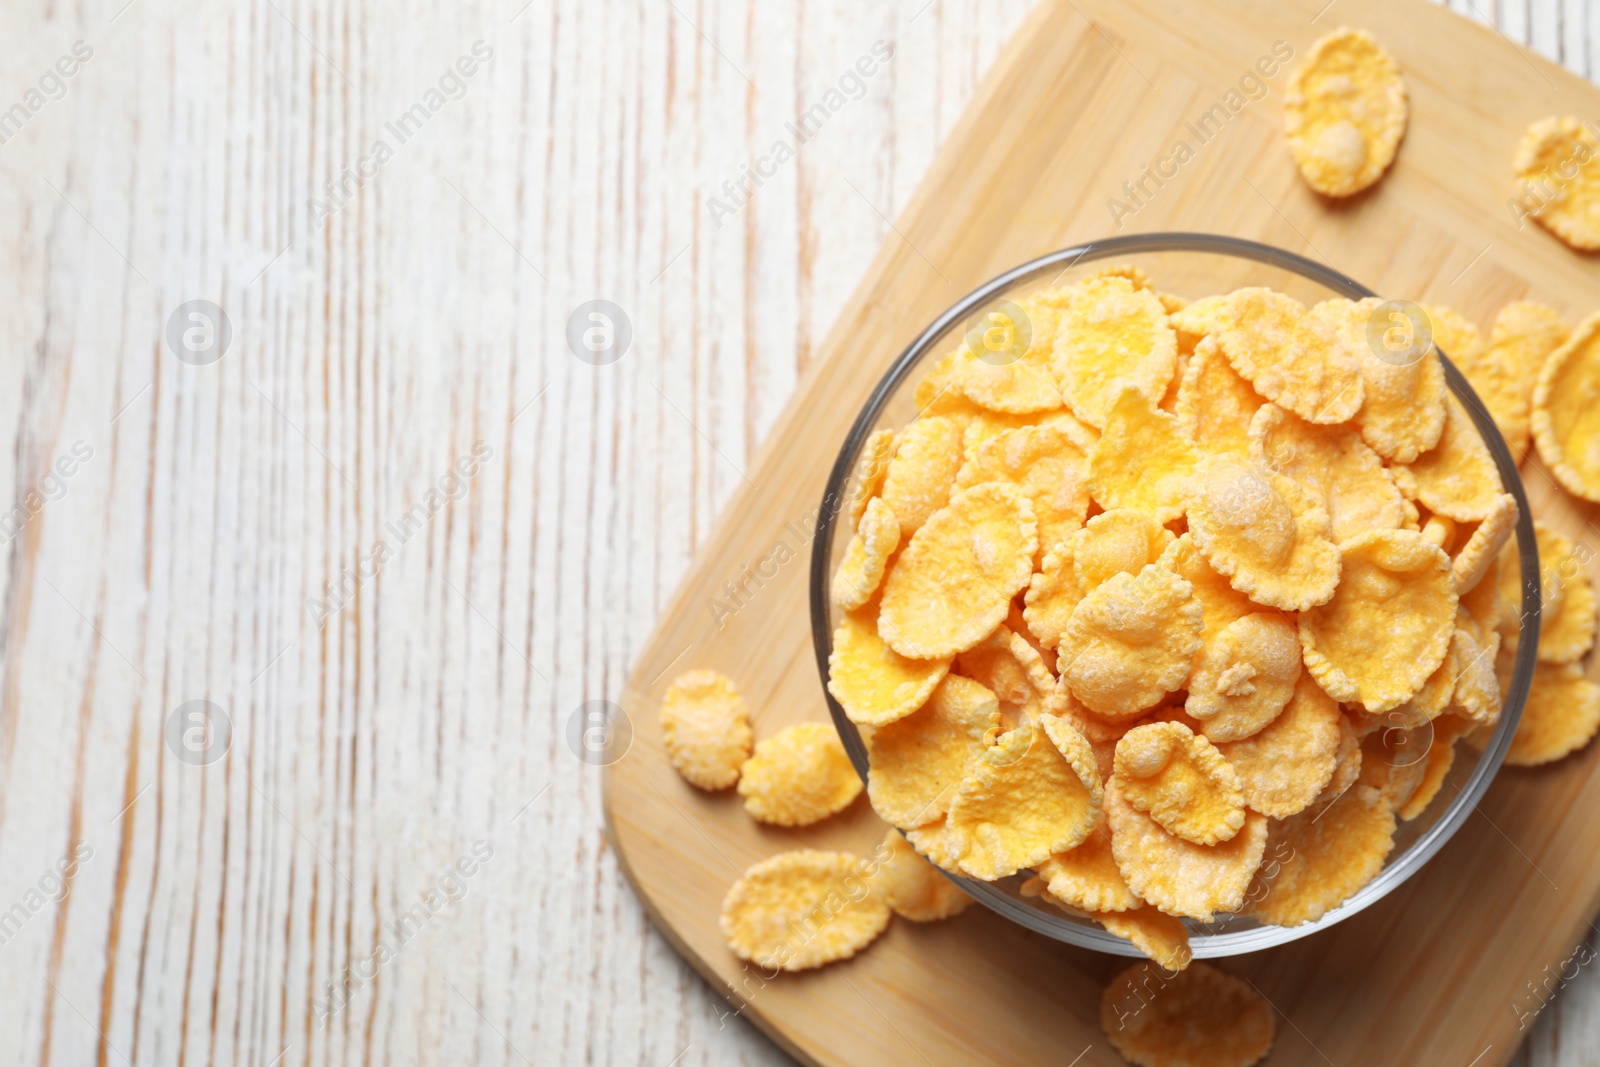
pixel 1084 97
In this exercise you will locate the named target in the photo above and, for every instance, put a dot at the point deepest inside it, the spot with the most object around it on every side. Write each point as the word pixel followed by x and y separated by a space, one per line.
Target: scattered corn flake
pixel 1200 1017
pixel 1086 875
pixel 1458 478
pixel 1388 625
pixel 1334 465
pixel 1504 372
pixel 923 471
pixel 916 764
pixel 1034 793
pixel 1291 357
pixel 1244 676
pixel 1345 112
pixel 1141 459
pixel 1570 634
pixel 1285 766
pixel 1322 856
pixel 802 909
pixel 1560 717
pixel 872 682
pixel 953 582
pixel 1131 641
pixel 705 728
pixel 1045 466
pixel 1111 333
pixel 938 844
pixel 1266 534
pixel 1158 935
pixel 1181 781
pixel 1472 562
pixel 1347 763
pixel 1178 876
pixel 798 776
pixel 1446 730
pixel 913 887
pixel 1214 404
pixel 871 467
pixel 866 556
pixel 1558 164
pixel 1403 406
pixel 1566 420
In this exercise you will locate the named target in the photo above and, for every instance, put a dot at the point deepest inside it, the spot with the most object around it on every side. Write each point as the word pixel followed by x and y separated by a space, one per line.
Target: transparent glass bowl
pixel 1191 265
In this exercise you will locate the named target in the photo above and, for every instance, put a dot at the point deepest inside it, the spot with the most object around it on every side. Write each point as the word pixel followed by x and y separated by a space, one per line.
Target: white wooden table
pixel 293 629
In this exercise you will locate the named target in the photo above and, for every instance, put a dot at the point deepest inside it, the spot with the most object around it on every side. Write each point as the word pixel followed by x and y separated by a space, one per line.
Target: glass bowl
pixel 1190 265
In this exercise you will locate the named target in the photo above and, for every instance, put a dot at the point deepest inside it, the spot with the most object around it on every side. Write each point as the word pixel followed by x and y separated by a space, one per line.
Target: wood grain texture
pixel 371 349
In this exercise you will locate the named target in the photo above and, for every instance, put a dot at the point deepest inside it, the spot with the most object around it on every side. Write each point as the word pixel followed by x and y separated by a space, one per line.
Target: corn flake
pixel 872 682
pixel 1458 478
pixel 953 582
pixel 871 466
pixel 1441 756
pixel 1141 459
pixel 1566 420
pixel 1403 404
pixel 1265 533
pixel 1322 856
pixel 1113 542
pixel 1220 603
pixel 1394 759
pixel 1561 716
pixel 1200 1017
pixel 1178 876
pixel 1214 404
pixel 1131 641
pixel 1388 626
pixel 798 776
pixel 1158 935
pixel 1291 357
pixel 1181 781
pixel 1034 793
pixel 866 556
pixel 1566 204
pixel 1111 333
pixel 938 844
pixel 919 478
pixel 1504 372
pixel 1197 320
pixel 705 728
pixel 802 909
pixel 1476 696
pixel 1345 112
pixel 1334 465
pixel 1244 676
pixel 1485 544
pixel 1008 666
pixel 1008 370
pixel 913 887
pixel 1347 763
pixel 916 764
pixel 1285 766
pixel 1046 466
pixel 1086 875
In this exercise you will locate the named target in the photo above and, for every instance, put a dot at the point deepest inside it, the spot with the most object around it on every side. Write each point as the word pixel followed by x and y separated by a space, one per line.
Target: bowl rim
pixel 1425 847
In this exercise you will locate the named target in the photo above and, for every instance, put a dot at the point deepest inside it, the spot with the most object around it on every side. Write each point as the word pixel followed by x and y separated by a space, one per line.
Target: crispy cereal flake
pixel 913 887
pixel 1458 478
pixel 1566 417
pixel 798 776
pixel 1036 792
pixel 1214 404
pixel 871 466
pixel 1504 372
pixel 1558 164
pixel 802 909
pixel 919 478
pixel 1472 562
pixel 1561 716
pixel 1345 112
pixel 1291 357
pixel 1334 465
pixel 1111 333
pixel 915 764
pixel 1158 935
pixel 1086 875
pixel 1285 766
pixel 1200 1017
pixel 1181 781
pixel 1388 626
pixel 953 583
pixel 1131 641
pixel 877 536
pixel 1321 857
pixel 1264 532
pixel 1141 459
pixel 1178 876
pixel 705 728
pixel 1046 466
pixel 872 682
pixel 1244 676
pixel 1403 406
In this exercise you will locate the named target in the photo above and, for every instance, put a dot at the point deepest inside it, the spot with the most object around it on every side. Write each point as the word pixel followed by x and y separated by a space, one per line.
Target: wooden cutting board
pixel 1089 92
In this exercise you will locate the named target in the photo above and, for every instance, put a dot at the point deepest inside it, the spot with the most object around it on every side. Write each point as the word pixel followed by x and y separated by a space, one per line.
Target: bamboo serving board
pixel 1089 93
